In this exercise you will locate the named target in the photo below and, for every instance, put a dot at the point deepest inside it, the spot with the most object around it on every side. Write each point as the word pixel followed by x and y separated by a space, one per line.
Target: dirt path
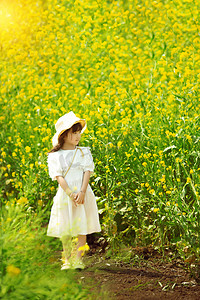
pixel 145 280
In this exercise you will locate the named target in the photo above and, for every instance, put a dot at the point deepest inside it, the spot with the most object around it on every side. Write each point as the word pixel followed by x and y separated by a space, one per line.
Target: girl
pixel 74 211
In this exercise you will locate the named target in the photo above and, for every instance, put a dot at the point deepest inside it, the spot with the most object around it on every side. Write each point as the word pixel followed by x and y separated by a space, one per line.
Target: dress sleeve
pixel 54 166
pixel 88 161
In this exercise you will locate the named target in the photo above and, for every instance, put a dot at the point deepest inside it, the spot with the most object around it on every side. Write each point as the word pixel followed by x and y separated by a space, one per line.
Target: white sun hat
pixel 65 122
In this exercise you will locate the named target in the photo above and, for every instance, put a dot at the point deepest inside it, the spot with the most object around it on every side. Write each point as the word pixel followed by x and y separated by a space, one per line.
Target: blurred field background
pixel 131 69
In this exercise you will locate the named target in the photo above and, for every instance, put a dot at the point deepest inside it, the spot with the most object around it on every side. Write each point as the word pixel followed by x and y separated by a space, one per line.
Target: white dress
pixel 65 218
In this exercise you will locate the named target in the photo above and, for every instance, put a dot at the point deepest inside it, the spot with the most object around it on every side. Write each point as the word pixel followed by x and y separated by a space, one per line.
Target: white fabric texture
pixel 65 218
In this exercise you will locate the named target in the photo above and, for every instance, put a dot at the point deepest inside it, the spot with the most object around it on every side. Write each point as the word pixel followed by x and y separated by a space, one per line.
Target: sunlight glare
pixel 6 16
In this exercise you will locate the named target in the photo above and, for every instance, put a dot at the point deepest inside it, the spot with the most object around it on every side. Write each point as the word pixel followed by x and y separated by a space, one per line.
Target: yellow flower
pixel 84 249
pixel 22 200
pixel 40 202
pixel 127 154
pixel 135 144
pixel 188 179
pixel 28 149
pixel 152 191
pixel 163 179
pixel 155 210
pixel 119 144
pixel 12 270
pixel 3 154
pixel 168 192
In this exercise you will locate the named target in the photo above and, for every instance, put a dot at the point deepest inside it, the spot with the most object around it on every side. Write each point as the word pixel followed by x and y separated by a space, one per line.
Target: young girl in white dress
pixel 74 211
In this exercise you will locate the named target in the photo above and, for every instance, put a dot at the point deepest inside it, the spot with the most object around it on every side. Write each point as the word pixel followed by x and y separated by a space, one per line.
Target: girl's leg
pixel 67 247
pixel 81 243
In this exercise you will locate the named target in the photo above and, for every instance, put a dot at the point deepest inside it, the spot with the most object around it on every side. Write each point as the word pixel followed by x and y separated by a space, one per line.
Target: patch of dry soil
pixel 144 280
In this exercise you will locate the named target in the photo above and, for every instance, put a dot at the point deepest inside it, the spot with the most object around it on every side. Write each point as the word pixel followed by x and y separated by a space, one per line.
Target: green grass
pixel 30 261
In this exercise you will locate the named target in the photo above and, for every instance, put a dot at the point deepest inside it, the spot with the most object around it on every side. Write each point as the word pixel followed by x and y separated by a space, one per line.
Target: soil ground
pixel 148 277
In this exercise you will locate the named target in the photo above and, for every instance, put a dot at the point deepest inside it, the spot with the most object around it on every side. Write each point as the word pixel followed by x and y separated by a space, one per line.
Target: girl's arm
pixel 86 178
pixel 81 194
pixel 63 184
pixel 66 188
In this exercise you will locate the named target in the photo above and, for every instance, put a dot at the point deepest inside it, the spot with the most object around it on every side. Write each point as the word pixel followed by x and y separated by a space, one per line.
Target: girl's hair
pixel 61 139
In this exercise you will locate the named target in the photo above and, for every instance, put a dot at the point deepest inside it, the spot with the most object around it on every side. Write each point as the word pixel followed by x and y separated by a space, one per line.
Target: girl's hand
pixel 73 197
pixel 80 197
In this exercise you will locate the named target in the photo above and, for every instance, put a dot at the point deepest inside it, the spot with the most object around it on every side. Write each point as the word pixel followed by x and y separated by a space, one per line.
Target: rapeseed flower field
pixel 131 69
